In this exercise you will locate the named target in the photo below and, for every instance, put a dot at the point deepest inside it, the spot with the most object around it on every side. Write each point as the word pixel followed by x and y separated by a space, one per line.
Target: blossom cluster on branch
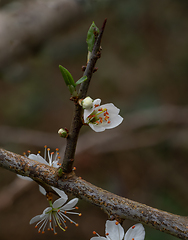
pixel 99 118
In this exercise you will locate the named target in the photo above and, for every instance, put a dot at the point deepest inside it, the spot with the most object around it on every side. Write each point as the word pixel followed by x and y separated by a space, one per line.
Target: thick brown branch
pixel 115 206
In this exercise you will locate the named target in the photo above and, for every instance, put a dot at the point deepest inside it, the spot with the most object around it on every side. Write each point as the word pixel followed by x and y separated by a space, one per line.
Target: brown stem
pixel 115 206
pixel 91 65
pixel 77 119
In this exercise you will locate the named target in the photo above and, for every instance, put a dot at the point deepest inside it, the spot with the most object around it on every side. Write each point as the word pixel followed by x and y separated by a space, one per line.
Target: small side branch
pixel 115 206
pixel 77 119
pixel 91 65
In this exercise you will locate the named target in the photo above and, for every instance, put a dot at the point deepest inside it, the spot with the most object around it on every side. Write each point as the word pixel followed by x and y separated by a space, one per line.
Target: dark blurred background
pixel 143 71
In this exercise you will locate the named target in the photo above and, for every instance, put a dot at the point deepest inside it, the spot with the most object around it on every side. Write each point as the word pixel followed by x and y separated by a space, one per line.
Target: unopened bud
pixel 87 103
pixel 63 133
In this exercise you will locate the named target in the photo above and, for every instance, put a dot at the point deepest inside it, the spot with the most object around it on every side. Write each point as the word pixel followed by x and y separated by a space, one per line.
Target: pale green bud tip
pixel 62 133
pixel 87 103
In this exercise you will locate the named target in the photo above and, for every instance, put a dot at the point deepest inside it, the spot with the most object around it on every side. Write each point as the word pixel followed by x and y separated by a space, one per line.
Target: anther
pixel 117 223
pixel 79 214
pixel 94 232
pixel 76 224
pixel 133 227
pixel 107 234
pixel 42 232
pixel 76 207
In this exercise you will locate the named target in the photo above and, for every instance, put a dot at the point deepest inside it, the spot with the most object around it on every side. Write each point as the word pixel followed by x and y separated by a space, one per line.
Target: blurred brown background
pixel 143 71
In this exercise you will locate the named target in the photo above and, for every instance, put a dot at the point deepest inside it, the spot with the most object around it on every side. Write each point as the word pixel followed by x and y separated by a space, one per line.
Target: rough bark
pixel 115 206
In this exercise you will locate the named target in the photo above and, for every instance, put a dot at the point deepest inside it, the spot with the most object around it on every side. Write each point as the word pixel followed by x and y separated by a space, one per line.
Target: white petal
pixel 136 232
pixel 98 238
pixel 38 158
pixel 111 108
pixel 55 164
pixel 42 190
pixel 87 112
pixel 116 232
pixel 70 204
pixel 97 128
pixel 35 219
pixel 114 122
pixel 59 202
pixel 39 217
pixel 97 102
pixel 24 177
pixel 61 193
pixel 46 210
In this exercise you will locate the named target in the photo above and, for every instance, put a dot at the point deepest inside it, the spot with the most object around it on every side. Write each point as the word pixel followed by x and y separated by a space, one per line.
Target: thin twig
pixel 77 118
pixel 115 206
pixel 91 65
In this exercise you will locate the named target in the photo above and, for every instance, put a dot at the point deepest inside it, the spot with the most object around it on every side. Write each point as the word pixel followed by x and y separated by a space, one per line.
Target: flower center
pixel 99 116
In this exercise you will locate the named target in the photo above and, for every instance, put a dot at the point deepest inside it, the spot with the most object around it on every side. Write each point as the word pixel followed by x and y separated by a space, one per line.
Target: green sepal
pixel 91 36
pixel 72 90
pixel 67 76
pixel 60 172
pixel 81 80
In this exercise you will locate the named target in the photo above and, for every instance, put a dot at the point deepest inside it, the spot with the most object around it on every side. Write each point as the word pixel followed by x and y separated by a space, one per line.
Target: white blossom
pixel 50 159
pixel 114 231
pixel 101 117
pixel 56 214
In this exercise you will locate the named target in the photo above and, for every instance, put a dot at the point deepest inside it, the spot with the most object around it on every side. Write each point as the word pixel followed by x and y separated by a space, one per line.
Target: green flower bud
pixel 63 133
